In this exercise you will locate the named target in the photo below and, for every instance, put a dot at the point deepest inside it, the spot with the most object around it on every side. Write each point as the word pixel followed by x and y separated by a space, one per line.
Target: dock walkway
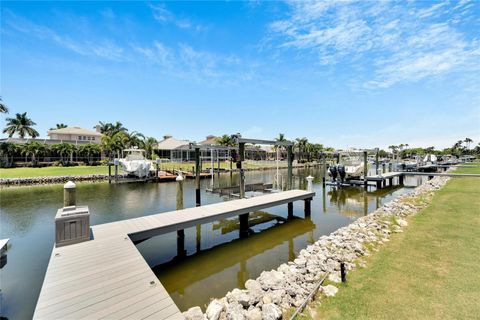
pixel 107 277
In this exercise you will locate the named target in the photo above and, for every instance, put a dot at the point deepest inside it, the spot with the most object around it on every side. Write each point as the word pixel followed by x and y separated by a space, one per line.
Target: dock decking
pixel 107 277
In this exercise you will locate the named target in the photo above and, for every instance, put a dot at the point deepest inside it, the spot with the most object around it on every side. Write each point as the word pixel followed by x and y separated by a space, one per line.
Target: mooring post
pixel 400 179
pixel 383 167
pixel 109 172
pixel 365 169
pixel 290 165
pixel 180 233
pixel 241 151
pixel 390 182
pixel 343 272
pixel 308 207
pixel 69 194
pixel 115 163
pixel 158 161
pixel 290 210
pixel 376 161
pixel 379 184
pixel 324 168
pixel 198 202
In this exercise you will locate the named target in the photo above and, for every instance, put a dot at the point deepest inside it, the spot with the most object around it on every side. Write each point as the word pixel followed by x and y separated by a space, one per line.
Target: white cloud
pixel 163 15
pixel 398 42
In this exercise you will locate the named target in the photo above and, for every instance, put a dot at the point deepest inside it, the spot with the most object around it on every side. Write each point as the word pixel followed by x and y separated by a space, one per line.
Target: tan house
pixel 71 134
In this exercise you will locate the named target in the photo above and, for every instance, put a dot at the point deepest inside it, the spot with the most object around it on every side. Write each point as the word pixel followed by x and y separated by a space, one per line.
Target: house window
pixel 79 137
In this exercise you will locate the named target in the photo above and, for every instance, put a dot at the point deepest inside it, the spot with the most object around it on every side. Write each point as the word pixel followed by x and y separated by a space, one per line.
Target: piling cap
pixel 309 178
pixel 179 177
pixel 69 185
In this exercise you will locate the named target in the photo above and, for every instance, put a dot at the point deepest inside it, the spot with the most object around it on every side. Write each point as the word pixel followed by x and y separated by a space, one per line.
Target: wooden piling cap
pixel 69 185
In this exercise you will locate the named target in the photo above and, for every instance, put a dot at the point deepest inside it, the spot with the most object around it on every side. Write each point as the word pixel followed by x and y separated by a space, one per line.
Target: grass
pixel 85 170
pixel 431 271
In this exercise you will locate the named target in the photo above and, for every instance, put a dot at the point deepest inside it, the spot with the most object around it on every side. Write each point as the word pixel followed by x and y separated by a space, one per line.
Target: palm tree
pixel 135 139
pixel 8 150
pixel 119 142
pixel 301 145
pixel 34 149
pixel 59 126
pixel 468 141
pixel 111 129
pixel 21 125
pixel 64 149
pixel 226 141
pixel 107 146
pixel 88 150
pixel 3 106
pixel 149 145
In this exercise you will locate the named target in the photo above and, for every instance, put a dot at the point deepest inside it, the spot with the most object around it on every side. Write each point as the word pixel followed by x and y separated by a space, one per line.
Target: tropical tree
pixel 65 150
pixel 59 126
pixel 34 149
pixel 88 150
pixel 107 146
pixel 149 145
pixel 301 145
pixel 226 141
pixel 7 151
pixel 21 125
pixel 468 141
pixel 135 139
pixel 111 129
pixel 3 106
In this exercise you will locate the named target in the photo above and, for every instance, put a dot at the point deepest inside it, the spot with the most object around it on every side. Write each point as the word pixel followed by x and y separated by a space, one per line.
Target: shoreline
pixel 48 180
pixel 278 292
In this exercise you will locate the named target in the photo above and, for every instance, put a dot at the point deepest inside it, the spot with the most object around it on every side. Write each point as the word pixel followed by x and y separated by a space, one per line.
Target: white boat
pixel 348 168
pixel 135 163
pixel 430 160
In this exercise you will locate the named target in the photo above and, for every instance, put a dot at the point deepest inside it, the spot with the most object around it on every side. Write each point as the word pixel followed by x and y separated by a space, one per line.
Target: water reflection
pixel 216 261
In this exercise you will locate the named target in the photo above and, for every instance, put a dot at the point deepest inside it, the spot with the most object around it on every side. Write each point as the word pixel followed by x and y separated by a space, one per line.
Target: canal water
pixel 215 261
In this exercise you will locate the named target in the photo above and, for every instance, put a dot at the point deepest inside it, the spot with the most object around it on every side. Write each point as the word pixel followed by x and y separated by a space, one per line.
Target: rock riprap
pixel 276 291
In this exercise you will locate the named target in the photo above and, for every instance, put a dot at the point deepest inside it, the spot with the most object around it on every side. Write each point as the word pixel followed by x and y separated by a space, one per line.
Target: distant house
pixel 171 148
pixel 209 141
pixel 75 134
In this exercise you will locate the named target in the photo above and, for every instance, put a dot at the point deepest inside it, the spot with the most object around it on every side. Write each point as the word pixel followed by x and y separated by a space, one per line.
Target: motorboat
pixel 135 163
pixel 348 168
pixel 449 159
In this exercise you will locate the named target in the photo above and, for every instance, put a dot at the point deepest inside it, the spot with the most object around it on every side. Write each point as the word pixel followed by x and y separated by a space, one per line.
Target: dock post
pixel 384 183
pixel 243 225
pixel 400 179
pixel 308 207
pixel 390 166
pixel 115 163
pixel 324 168
pixel 365 169
pixel 379 184
pixel 290 210
pixel 390 182
pixel 198 202
pixel 109 172
pixel 290 165
pixel 69 194
pixel 241 151
pixel 180 233
pixel 158 161
pixel 376 161
pixel 383 167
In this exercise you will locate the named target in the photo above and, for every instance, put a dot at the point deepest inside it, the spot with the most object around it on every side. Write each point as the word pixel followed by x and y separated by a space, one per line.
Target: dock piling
pixel 343 272
pixel 290 210
pixel 69 194
pixel 198 201
pixel 365 169
pixel 308 208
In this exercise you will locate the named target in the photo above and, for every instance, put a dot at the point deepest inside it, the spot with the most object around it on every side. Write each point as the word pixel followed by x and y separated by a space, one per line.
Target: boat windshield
pixel 135 155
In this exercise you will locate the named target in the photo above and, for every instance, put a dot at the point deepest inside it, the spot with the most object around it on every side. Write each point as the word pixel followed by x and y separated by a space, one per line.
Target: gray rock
pixel 271 312
pixel 214 310
pixel 194 313
pixel 334 277
pixel 402 223
pixel 271 279
pixel 253 314
pixel 330 290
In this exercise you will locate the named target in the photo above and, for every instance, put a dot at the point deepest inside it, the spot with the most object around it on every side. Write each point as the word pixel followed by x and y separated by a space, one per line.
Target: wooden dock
pixel 106 277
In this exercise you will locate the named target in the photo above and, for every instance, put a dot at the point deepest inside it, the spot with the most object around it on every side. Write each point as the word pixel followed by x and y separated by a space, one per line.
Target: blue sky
pixel 345 74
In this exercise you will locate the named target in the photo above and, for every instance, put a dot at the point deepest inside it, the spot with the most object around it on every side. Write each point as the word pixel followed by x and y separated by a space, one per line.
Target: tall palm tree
pixel 59 126
pixel 34 149
pixel 21 125
pixel 468 141
pixel 301 146
pixel 110 129
pixel 7 151
pixel 135 139
pixel 3 106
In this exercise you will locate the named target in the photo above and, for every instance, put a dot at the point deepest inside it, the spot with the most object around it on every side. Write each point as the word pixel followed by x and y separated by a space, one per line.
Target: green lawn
pixel 431 271
pixel 84 170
